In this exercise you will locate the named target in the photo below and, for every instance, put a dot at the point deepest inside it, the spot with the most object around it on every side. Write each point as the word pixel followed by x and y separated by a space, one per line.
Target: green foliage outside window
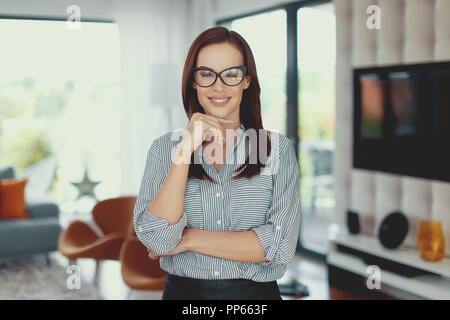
pixel 24 148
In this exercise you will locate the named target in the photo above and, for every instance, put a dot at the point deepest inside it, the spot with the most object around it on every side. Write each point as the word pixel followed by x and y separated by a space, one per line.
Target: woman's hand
pixel 178 249
pixel 182 246
pixel 202 126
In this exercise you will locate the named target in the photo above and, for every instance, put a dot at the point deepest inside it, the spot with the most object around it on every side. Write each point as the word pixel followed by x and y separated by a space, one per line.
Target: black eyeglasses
pixel 206 77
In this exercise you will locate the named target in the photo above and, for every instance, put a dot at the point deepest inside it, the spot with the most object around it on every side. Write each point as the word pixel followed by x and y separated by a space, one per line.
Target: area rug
pixel 31 279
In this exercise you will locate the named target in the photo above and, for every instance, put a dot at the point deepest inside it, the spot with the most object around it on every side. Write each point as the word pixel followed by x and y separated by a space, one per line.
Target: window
pixel 316 42
pixel 258 30
pixel 308 61
pixel 59 96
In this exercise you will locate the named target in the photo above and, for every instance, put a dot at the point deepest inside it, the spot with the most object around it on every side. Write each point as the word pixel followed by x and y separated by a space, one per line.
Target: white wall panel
pixel 441 208
pixel 363 199
pixel 419 31
pixel 364 39
pixel 390 40
pixel 412 31
pixel 342 158
pixel 440 190
pixel 391 35
pixel 442 30
pixel 416 205
pixel 364 54
pixel 388 196
pixel 419 47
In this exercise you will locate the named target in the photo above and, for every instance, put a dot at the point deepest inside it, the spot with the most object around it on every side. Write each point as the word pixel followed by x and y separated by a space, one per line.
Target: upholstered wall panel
pixel 363 54
pixel 419 47
pixel 364 40
pixel 390 41
pixel 363 199
pixel 416 204
pixel 390 38
pixel 412 31
pixel 442 30
pixel 342 158
pixel 441 191
pixel 388 196
pixel 419 31
pixel 440 209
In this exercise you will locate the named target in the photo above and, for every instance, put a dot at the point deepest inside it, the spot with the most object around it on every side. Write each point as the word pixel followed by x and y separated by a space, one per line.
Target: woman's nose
pixel 218 85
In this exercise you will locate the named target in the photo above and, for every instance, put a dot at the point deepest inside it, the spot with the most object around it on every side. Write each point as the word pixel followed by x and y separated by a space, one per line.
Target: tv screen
pixel 402 119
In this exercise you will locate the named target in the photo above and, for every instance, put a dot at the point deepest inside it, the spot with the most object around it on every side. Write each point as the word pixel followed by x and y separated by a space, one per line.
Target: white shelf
pixel 430 287
pixel 407 256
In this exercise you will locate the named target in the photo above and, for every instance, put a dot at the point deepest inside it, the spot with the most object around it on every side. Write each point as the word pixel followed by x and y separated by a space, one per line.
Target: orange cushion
pixel 12 199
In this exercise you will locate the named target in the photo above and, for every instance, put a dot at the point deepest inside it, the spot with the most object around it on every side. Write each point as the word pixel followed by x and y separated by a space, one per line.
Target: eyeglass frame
pixel 219 75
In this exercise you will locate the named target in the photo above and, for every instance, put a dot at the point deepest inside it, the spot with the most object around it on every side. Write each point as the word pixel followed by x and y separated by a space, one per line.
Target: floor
pixel 315 226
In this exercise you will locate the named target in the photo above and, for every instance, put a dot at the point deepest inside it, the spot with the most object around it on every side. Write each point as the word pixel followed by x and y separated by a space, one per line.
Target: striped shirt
pixel 268 203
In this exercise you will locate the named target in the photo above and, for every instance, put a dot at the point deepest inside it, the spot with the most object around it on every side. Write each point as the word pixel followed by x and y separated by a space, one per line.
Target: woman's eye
pixel 233 73
pixel 206 74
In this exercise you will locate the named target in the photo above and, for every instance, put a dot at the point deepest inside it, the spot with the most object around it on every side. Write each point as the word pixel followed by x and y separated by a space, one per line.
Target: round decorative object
pixel 393 230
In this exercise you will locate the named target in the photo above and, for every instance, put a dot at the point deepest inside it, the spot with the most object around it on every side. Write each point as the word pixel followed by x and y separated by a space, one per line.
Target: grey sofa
pixel 37 235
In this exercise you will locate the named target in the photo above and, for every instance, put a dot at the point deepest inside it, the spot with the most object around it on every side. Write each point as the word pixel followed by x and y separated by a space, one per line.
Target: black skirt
pixel 182 288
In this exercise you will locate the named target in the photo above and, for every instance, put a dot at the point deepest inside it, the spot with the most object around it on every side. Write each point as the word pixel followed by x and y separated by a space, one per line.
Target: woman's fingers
pixel 152 255
pixel 216 128
pixel 209 125
pixel 212 128
pixel 217 134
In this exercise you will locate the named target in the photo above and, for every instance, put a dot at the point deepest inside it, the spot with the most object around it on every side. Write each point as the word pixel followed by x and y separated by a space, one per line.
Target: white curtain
pixel 153 33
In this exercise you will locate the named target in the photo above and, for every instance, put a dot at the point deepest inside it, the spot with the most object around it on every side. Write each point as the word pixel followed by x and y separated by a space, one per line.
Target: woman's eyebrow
pixel 206 67
pixel 214 69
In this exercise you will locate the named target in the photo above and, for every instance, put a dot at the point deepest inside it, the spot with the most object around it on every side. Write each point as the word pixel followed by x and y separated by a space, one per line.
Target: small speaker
pixel 353 222
pixel 393 230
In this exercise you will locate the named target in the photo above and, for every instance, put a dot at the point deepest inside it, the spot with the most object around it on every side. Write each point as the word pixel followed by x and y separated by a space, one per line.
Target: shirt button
pixel 216 273
pixel 139 229
pixel 219 221
pixel 218 194
pixel 278 227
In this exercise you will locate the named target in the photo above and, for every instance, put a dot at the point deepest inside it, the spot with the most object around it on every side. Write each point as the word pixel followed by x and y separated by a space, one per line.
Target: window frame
pixel 52 18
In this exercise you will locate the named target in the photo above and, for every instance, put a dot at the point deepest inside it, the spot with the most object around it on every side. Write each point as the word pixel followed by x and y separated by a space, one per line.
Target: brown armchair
pixel 113 217
pixel 139 272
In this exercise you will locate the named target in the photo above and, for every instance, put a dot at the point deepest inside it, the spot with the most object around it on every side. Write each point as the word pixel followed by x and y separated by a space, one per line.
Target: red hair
pixel 250 108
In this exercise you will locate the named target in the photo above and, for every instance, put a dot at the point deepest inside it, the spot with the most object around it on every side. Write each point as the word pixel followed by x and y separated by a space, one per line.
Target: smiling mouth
pixel 219 102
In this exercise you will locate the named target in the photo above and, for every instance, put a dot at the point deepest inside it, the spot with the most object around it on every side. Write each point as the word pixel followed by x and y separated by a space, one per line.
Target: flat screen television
pixel 402 119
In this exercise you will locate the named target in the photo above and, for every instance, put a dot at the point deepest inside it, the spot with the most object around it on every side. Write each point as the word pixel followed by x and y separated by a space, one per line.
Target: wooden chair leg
pixel 97 272
pixel 129 294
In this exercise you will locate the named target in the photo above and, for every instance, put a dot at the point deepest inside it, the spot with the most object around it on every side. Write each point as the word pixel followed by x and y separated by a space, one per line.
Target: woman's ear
pixel 194 85
pixel 247 82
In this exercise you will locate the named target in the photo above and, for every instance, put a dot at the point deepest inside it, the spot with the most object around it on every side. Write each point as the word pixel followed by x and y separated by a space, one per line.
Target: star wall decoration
pixel 86 187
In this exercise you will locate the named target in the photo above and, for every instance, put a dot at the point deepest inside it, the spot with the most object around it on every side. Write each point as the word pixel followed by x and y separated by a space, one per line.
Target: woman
pixel 219 204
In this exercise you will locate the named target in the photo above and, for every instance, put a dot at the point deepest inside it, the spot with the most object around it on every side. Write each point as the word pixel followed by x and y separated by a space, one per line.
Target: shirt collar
pixel 241 129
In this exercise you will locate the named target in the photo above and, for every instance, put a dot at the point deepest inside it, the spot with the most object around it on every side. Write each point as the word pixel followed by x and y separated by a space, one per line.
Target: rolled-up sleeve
pixel 155 233
pixel 279 235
